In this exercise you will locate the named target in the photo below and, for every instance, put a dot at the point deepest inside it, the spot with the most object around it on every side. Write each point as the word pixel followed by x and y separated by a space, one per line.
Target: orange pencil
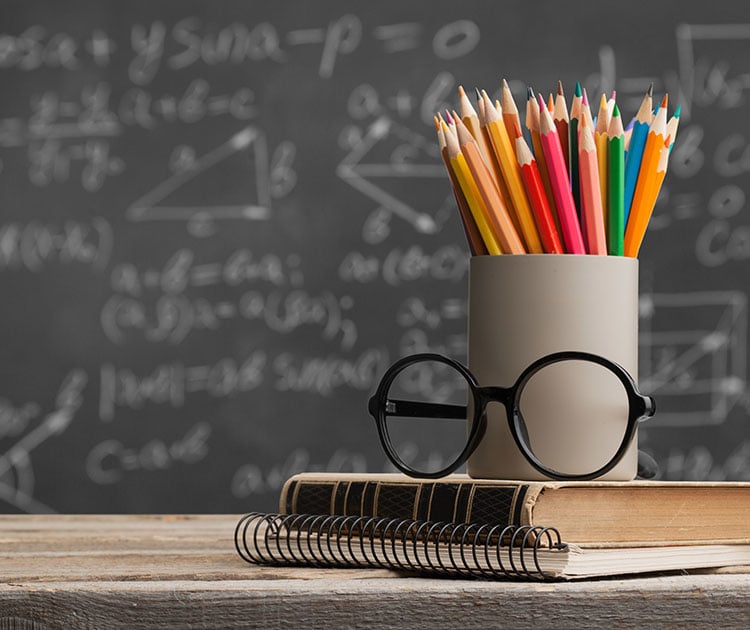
pixel 640 211
pixel 562 121
pixel 506 157
pixel 510 112
pixel 498 212
pixel 638 230
pixel 538 199
pixel 592 213
pixel 471 120
pixel 473 235
pixel 465 179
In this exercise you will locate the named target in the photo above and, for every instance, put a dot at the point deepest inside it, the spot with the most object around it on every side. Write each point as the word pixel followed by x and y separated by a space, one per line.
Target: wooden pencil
pixel 575 119
pixel 474 237
pixel 634 239
pixel 506 156
pixel 616 184
pixel 545 220
pixel 471 120
pixel 510 112
pixel 562 121
pixel 640 211
pixel 567 214
pixel 468 186
pixel 591 196
pixel 672 125
pixel 635 147
pixel 532 124
pixel 600 139
pixel 499 216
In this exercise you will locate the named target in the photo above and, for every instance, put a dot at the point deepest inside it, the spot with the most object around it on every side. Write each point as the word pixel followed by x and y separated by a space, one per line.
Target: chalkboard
pixel 221 221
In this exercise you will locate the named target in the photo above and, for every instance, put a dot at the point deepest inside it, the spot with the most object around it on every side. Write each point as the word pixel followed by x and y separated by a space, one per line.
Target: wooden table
pixel 183 572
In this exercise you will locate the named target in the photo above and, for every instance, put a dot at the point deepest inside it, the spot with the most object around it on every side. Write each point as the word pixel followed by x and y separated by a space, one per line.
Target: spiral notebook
pixel 449 549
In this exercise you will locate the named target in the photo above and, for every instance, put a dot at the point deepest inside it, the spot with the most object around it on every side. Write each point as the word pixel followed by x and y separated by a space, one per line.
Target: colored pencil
pixel 640 211
pixel 471 120
pixel 562 121
pixel 499 215
pixel 468 186
pixel 635 149
pixel 628 132
pixel 510 112
pixel 672 126
pixel 586 111
pixel 567 214
pixel 575 121
pixel 532 124
pixel 474 237
pixel 591 196
pixel 600 139
pixel 616 185
pixel 635 234
pixel 545 220
pixel 506 157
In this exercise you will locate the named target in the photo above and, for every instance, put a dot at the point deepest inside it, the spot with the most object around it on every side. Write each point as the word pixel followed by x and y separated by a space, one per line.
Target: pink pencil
pixel 591 195
pixel 558 174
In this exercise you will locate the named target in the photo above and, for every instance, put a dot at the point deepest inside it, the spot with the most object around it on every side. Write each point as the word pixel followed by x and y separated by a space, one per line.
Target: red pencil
pixel 545 221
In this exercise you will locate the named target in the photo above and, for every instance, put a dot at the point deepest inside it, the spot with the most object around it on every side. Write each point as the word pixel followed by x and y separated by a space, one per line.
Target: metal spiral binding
pixel 438 548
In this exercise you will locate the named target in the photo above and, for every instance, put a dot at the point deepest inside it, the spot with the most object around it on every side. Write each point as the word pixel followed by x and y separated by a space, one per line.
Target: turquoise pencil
pixel 635 148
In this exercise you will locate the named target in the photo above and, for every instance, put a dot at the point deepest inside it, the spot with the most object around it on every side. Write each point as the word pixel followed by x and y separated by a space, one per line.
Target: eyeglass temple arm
pixel 415 409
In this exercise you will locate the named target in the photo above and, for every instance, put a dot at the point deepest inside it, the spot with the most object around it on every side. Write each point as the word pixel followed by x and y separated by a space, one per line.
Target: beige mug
pixel 524 307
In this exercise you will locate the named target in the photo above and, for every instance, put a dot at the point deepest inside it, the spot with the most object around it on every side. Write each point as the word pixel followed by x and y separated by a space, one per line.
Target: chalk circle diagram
pixel 396 168
pixel 203 189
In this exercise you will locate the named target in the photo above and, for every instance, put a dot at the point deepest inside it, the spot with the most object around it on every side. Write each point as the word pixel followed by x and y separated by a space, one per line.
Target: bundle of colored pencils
pixel 582 185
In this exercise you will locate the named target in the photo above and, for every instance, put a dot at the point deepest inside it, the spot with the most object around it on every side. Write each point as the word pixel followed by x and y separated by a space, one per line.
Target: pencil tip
pixel 615 111
pixel 664 101
pixel 585 98
pixel 650 91
pixel 560 88
pixel 478 93
pixel 614 95
pixel 461 91
pixel 677 111
pixel 578 91
pixel 449 118
pixel 505 85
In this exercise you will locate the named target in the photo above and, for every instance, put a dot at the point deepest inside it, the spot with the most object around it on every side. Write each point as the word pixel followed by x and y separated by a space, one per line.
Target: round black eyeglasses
pixel 420 398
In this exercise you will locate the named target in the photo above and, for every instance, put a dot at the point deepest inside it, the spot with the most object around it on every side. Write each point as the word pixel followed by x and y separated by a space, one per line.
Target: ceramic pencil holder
pixel 523 307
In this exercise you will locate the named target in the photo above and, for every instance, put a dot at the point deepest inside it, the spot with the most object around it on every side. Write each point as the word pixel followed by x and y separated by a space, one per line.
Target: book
pixel 458 549
pixel 591 512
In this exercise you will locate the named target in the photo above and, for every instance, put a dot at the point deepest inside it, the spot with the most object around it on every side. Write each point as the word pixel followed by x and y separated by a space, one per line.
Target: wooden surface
pixel 183 572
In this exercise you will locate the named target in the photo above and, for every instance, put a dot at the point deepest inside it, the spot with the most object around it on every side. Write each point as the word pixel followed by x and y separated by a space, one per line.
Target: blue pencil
pixel 635 148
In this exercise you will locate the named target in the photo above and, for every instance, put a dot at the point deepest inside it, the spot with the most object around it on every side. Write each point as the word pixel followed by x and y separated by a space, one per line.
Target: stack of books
pixel 466 527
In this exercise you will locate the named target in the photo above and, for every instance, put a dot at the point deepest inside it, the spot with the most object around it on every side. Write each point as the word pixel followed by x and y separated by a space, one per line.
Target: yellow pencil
pixel 600 139
pixel 471 120
pixel 470 190
pixel 506 157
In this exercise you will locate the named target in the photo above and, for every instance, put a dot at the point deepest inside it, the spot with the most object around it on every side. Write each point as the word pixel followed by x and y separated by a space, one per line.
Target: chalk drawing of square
pixel 693 361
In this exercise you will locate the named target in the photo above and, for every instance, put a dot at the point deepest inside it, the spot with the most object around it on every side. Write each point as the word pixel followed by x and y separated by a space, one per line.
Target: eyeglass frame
pixel 641 408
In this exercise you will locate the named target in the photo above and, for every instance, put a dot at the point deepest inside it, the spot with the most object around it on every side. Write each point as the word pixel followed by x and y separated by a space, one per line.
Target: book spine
pixel 451 549
pixel 455 501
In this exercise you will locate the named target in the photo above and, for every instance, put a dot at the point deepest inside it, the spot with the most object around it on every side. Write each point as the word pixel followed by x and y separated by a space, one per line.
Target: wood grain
pixel 183 572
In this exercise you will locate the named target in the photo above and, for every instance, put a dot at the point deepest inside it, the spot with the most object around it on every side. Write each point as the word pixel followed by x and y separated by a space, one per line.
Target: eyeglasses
pixel 422 399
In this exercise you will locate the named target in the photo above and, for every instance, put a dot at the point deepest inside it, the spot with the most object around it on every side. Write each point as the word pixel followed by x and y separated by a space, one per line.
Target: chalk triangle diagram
pixel 397 168
pixel 211 184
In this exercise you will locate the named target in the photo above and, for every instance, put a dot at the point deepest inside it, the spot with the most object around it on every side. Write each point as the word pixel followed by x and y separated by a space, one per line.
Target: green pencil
pixel 575 118
pixel 616 188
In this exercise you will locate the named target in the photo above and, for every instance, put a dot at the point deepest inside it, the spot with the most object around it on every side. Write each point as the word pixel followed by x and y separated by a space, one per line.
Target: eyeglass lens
pixel 575 416
pixel 425 442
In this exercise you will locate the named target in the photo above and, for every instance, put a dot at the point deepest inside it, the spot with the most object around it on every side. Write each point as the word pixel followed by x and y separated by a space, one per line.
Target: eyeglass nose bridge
pixel 486 395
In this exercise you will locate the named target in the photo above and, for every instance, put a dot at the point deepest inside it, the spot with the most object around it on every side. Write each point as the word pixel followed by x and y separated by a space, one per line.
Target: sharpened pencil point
pixel 560 88
pixel 449 118
pixel 529 93
pixel 615 110
pixel 650 91
pixel 677 111
pixel 578 91
pixel 664 101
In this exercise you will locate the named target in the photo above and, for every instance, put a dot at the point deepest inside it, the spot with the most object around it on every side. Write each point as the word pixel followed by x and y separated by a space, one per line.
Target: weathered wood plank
pixel 140 572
